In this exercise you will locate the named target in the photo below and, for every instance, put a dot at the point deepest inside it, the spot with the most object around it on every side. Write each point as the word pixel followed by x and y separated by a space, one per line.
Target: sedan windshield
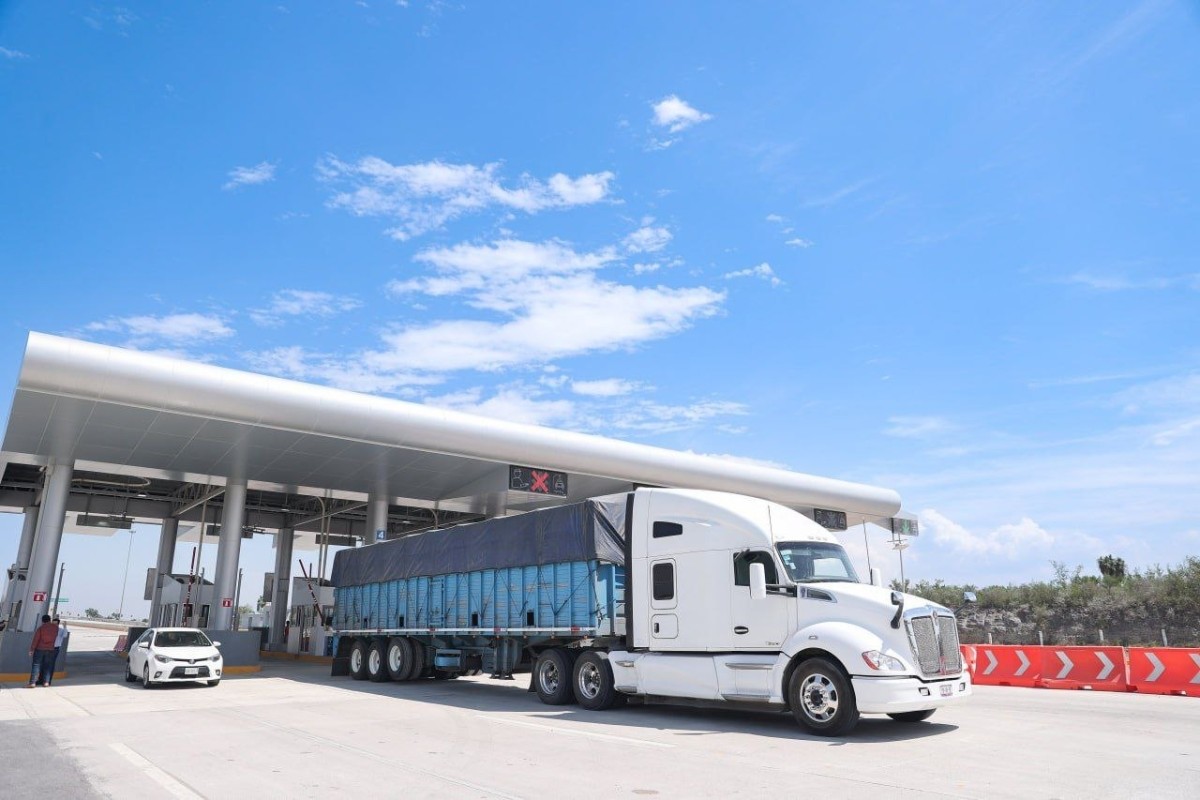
pixel 181 639
pixel 809 562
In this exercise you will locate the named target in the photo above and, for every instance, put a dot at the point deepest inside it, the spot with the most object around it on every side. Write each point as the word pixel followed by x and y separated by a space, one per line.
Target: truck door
pixel 757 624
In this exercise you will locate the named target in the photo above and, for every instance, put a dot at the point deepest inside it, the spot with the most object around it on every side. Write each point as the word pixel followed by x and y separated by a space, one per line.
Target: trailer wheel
pixel 593 683
pixel 418 660
pixel 376 661
pixel 822 699
pixel 399 657
pixel 358 660
pixel 913 716
pixel 552 677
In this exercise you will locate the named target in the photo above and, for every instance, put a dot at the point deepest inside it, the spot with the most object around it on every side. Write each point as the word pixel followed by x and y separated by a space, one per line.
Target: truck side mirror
pixel 758 581
pixel 877 577
pixel 969 597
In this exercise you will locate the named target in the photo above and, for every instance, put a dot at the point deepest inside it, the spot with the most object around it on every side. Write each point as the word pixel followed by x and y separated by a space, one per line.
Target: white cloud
pixel 657 418
pixel 917 427
pixel 539 302
pixel 14 55
pixel 338 371
pixel 647 239
pixel 263 172
pixel 798 242
pixel 762 271
pixel 677 115
pixel 301 303
pixel 610 387
pixel 837 195
pixel 1124 283
pixel 775 218
pixel 512 403
pixel 170 328
pixel 424 196
pixel 1011 540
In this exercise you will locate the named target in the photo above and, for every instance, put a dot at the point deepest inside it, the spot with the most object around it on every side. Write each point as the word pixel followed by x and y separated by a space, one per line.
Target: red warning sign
pixel 39 597
pixel 226 602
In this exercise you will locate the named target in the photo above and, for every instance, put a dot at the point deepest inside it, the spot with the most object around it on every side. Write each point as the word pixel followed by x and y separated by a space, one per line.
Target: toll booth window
pixel 663 580
pixel 662 529
pixel 741 567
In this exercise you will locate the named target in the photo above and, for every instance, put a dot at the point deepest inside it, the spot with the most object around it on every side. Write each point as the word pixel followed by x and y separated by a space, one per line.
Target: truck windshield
pixel 809 562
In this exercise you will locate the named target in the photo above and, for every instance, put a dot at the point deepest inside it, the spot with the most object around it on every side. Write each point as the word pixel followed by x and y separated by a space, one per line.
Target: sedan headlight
pixel 216 658
pixel 163 659
pixel 882 661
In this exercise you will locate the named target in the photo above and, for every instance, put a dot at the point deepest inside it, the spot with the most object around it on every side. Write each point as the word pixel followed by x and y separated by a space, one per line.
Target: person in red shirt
pixel 42 650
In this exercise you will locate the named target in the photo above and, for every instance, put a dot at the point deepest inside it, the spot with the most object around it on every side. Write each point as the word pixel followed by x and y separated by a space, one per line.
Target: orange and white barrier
pixel 1097 668
pixel 1150 670
pixel 1165 670
pixel 1007 665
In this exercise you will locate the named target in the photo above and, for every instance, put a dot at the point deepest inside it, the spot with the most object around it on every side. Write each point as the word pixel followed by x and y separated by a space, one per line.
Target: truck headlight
pixel 882 661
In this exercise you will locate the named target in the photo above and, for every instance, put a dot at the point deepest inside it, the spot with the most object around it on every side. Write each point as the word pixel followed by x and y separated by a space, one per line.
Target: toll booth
pixel 186 601
pixel 306 633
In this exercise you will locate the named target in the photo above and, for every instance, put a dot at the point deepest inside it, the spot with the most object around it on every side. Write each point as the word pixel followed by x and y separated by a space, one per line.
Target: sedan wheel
pixel 146 684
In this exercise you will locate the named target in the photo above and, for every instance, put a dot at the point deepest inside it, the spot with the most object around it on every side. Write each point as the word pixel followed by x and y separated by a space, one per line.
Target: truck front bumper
pixel 897 695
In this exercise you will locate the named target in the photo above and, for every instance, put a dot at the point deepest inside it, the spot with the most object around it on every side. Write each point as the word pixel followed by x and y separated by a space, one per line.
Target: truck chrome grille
pixel 934 642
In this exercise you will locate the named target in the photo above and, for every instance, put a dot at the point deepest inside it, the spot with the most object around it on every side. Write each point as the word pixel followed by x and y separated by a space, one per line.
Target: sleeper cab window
pixel 741 567
pixel 662 529
pixel 663 580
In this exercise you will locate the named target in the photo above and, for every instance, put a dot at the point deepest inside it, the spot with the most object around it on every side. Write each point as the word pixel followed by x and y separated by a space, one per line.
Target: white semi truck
pixel 657 593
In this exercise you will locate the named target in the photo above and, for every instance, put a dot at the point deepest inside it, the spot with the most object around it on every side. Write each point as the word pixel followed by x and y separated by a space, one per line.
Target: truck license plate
pixel 946 689
pixel 196 671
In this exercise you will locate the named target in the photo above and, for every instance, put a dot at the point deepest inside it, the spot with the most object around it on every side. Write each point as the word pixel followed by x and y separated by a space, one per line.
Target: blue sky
pixel 946 248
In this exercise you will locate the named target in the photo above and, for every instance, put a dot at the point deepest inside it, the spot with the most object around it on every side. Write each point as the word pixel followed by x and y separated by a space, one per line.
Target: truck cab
pixel 737 599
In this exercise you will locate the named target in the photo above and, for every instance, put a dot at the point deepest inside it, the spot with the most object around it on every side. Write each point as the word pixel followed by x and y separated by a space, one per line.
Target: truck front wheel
pixel 593 682
pixel 552 677
pixel 822 699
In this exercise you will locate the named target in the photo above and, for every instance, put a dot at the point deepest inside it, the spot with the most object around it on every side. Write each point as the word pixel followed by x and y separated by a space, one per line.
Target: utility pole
pixel 128 553
pixel 58 592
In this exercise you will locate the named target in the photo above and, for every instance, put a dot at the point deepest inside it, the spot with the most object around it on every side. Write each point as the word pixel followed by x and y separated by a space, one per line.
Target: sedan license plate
pixel 196 671
pixel 946 689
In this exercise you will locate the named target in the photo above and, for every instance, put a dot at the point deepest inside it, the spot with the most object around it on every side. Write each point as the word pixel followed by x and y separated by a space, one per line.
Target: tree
pixel 1112 568
pixel 243 610
pixel 91 613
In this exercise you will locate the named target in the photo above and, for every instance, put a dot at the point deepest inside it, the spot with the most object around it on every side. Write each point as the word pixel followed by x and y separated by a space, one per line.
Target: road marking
pixel 1108 666
pixel 154 773
pixel 1024 663
pixel 1067 664
pixel 588 734
pixel 992 658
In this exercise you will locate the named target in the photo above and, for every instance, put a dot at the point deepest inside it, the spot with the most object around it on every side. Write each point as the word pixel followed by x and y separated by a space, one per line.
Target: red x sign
pixel 540 481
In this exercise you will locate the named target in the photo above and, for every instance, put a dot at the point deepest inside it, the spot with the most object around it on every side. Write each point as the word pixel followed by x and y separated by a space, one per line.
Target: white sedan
pixel 174 655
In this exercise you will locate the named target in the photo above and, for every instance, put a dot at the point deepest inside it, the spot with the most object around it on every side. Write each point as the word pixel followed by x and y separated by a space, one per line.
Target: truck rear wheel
pixel 593 683
pixel 552 677
pixel 822 699
pixel 358 660
pixel 376 664
pixel 418 660
pixel 913 716
pixel 399 657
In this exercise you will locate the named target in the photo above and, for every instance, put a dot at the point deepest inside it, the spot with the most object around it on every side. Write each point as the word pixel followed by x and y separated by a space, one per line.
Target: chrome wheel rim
pixel 549 677
pixel 374 662
pixel 819 698
pixel 589 680
pixel 355 660
pixel 393 658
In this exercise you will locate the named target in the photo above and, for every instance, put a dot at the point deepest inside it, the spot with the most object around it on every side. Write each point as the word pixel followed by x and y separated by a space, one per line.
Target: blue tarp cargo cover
pixel 592 529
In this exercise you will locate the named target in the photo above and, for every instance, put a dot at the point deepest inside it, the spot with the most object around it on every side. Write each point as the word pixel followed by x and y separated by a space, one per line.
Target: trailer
pixel 653 593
